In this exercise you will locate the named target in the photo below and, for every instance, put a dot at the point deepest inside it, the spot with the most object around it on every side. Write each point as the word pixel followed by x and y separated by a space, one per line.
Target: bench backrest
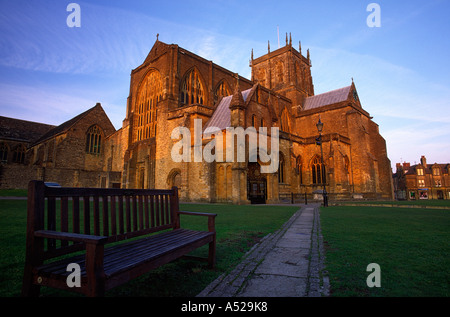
pixel 116 213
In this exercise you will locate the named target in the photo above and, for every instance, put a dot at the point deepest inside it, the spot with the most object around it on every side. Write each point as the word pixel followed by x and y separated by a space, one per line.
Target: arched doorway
pixel 174 179
pixel 256 184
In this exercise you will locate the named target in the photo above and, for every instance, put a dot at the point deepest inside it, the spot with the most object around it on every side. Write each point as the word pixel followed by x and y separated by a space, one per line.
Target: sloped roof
pixel 65 126
pixel 328 98
pixel 22 130
pixel 444 168
pixel 221 118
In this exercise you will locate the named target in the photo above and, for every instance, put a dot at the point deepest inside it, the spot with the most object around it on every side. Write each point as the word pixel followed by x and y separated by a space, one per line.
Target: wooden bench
pixel 62 221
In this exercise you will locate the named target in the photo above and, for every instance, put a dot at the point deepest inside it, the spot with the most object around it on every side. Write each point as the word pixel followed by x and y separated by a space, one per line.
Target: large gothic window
pixel 318 171
pixel 94 140
pixel 149 94
pixel 222 90
pixel 192 91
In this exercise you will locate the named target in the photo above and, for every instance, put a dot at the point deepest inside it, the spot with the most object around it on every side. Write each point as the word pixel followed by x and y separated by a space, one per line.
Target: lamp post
pixel 319 126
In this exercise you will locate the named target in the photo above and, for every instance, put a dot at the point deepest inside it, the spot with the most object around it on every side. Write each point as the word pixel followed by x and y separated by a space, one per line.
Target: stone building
pixel 73 154
pixel 176 89
pixel 15 138
pixel 422 181
pixel 173 87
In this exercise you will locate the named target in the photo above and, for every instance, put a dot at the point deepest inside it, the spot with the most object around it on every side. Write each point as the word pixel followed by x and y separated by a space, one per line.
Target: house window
pixel 318 171
pixel 421 183
pixel 93 140
pixel 436 172
pixel 192 91
pixel 420 172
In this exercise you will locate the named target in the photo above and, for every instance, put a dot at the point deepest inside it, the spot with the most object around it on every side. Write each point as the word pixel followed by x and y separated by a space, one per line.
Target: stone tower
pixel 285 71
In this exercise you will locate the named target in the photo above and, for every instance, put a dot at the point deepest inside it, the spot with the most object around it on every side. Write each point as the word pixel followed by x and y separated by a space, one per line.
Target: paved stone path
pixel 286 263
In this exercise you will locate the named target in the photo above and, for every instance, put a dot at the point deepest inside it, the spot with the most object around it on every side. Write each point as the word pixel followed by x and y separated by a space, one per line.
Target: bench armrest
pixel 75 237
pixel 211 218
pixel 196 213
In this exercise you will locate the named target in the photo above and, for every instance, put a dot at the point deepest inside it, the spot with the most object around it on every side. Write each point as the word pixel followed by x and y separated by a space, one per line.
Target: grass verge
pixel 238 229
pixel 410 246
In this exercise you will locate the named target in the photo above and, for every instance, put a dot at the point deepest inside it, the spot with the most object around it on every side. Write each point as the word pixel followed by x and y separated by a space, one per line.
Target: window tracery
pixel 318 171
pixel 150 93
pixel 94 140
pixel 192 91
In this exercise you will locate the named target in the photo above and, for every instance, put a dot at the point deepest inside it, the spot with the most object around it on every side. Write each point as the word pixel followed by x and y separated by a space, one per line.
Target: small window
pixel 19 155
pixel 420 171
pixel 222 90
pixel 94 140
pixel 4 150
pixel 436 172
pixel 318 171
pixel 299 169
pixel 281 166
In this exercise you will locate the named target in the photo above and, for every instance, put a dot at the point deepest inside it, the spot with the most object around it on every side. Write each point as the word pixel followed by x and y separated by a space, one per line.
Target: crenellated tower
pixel 285 71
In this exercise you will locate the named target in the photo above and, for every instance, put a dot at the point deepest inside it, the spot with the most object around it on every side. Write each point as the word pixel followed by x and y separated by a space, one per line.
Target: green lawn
pixel 238 229
pixel 411 247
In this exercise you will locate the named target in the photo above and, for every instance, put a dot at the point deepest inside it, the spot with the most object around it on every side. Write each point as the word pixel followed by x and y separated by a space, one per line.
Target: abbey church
pixel 176 88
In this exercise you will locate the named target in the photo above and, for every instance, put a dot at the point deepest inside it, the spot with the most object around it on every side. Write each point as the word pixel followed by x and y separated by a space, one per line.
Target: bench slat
pixel 123 256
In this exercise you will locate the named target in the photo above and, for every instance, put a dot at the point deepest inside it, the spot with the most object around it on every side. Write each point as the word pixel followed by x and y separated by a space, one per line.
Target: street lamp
pixel 319 126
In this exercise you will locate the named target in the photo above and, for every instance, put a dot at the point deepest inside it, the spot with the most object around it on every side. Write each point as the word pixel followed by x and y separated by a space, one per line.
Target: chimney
pixel 423 161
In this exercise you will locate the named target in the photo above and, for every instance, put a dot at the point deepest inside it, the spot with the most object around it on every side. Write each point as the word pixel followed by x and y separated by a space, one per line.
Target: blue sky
pixel 50 72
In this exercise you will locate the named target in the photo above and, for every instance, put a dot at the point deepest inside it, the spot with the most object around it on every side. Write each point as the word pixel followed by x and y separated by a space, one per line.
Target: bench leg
pixel 28 288
pixel 212 254
pixel 94 270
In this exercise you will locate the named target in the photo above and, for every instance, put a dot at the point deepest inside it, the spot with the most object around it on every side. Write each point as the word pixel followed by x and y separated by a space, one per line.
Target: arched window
pixel 222 90
pixel 318 171
pixel 279 70
pixel 254 121
pixel 19 154
pixel 4 150
pixel 149 94
pixel 284 121
pixel 299 168
pixel 281 167
pixel 192 91
pixel 94 140
pixel 263 123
